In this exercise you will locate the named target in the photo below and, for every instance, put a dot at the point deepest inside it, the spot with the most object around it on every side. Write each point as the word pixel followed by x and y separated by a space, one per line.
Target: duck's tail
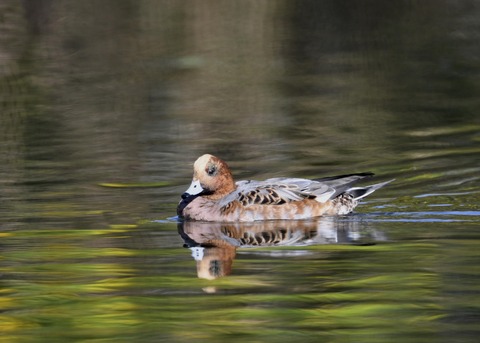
pixel 362 192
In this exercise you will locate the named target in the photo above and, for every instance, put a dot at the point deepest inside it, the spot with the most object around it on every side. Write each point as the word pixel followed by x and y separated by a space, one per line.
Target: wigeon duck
pixel 214 196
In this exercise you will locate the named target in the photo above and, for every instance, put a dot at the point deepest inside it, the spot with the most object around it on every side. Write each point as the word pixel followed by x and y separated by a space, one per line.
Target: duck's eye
pixel 211 170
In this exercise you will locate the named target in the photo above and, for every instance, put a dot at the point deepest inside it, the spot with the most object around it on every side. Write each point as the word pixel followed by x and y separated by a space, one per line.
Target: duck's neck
pixel 228 186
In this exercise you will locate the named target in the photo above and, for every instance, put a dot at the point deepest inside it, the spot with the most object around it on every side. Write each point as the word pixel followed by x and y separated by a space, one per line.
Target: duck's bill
pixel 194 189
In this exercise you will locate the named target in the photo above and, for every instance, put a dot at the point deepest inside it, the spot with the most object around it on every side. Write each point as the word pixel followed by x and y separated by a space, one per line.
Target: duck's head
pixel 212 179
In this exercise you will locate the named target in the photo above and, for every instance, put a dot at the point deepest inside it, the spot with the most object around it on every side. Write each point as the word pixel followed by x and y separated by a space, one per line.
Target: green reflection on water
pixel 366 296
pixel 73 291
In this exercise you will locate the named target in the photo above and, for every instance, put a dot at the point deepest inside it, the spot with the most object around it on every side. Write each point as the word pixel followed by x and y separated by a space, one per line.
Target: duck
pixel 214 196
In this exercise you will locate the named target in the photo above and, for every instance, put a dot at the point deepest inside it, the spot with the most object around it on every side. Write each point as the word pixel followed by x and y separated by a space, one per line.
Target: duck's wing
pixel 278 191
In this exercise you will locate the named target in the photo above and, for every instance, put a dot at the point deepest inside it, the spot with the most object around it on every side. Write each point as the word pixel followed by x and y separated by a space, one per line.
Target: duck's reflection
pixel 214 245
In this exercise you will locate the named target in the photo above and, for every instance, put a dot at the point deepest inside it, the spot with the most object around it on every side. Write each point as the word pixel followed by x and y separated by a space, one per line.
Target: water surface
pixel 106 105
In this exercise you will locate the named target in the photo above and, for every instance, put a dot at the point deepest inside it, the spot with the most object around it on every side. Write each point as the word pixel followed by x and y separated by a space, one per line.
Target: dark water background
pixel 106 104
